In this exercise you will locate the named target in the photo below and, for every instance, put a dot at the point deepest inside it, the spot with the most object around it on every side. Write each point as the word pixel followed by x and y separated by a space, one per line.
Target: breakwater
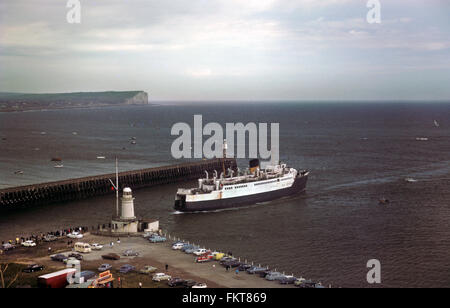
pixel 83 188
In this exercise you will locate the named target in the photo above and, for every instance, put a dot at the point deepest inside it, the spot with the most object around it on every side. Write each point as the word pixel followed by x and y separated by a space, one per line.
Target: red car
pixel 204 258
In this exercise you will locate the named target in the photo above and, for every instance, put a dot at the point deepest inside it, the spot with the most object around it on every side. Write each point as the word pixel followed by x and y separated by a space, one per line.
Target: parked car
pixel 204 258
pixel 149 234
pixel 299 281
pixel 200 286
pixel 96 246
pixel 186 247
pixel 263 274
pixel 272 276
pixel 256 270
pixel 33 268
pixel 200 251
pixel 232 264
pixel 29 244
pixel 148 269
pixel 75 235
pixel 307 284
pixel 87 275
pixel 50 238
pixel 71 261
pixel 244 267
pixel 189 283
pixel 177 246
pixel 288 280
pixel 111 256
pixel 126 268
pixel 76 256
pixel 161 277
pixel 82 247
pixel 7 246
pixel 226 259
pixel 104 267
pixel 58 257
pixel 191 250
pixel 175 282
pixel 157 239
pixel 130 253
pixel 218 255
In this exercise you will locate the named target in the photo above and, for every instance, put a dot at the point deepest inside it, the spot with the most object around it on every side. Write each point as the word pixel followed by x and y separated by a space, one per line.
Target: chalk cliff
pixel 22 102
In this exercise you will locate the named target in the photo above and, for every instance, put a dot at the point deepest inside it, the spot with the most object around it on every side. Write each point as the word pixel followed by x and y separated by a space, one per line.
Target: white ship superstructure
pixel 254 185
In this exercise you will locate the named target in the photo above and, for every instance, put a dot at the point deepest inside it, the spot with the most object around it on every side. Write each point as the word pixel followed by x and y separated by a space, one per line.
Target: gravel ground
pixel 158 255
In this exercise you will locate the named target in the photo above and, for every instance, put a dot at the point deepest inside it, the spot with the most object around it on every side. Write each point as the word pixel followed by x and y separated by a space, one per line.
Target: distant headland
pixel 21 101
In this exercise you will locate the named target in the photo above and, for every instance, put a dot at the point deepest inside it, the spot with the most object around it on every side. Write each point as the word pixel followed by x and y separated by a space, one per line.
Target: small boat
pixel 384 201
pixel 18 172
pixel 410 180
pixel 101 157
pixel 43 133
pixel 74 133
pixel 436 123
pixel 422 139
pixel 133 142
pixel 56 159
pixel 59 166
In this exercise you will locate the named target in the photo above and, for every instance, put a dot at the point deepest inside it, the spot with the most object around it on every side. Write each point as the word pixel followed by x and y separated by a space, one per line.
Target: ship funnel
pixel 254 165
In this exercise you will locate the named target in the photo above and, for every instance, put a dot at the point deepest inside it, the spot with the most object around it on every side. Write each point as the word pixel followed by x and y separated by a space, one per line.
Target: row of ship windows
pixel 240 186
pixel 256 184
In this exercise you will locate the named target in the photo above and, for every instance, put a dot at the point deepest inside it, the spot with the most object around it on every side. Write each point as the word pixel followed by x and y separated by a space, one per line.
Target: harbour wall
pixel 83 188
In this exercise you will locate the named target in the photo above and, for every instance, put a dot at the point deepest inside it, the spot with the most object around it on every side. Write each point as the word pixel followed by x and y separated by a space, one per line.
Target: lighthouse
pixel 127 212
pixel 124 221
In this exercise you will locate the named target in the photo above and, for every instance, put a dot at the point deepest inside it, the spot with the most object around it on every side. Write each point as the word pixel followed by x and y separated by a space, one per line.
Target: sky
pixel 229 49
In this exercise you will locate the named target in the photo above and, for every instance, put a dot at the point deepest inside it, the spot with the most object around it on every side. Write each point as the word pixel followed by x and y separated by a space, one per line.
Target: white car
pixel 75 235
pixel 177 246
pixel 96 246
pixel 200 251
pixel 161 277
pixel 29 244
pixel 199 286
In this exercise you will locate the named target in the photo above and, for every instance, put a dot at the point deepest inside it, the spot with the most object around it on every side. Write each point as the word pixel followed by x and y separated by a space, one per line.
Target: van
pixel 82 247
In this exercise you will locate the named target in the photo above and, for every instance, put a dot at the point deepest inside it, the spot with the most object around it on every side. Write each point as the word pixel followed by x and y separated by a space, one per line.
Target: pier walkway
pixel 83 188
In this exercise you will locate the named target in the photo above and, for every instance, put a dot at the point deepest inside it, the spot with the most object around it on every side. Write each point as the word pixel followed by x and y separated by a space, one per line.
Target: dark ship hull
pixel 297 187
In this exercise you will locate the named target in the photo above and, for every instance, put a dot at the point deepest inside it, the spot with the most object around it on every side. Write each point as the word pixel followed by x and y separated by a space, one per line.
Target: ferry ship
pixel 229 191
